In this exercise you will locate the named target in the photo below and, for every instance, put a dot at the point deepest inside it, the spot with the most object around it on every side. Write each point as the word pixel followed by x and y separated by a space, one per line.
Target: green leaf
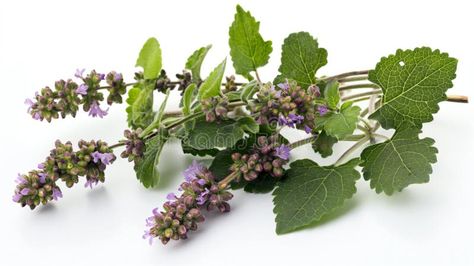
pixel 247 47
pixel 394 164
pixel 249 90
pixel 194 62
pixel 146 168
pixel 301 58
pixel 207 135
pixel 311 191
pixel 150 59
pixel 140 106
pixel 195 152
pixel 248 124
pixel 188 98
pixel 212 85
pixel 339 124
pixel 323 144
pixel 413 83
pixel 331 94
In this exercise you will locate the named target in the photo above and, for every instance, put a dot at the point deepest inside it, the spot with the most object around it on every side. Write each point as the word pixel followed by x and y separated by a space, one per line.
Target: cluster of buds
pixel 182 214
pixel 230 84
pixel 134 145
pixel 184 80
pixel 65 164
pixel 36 188
pixel 162 84
pixel 215 108
pixel 68 95
pixel 267 156
pixel 288 104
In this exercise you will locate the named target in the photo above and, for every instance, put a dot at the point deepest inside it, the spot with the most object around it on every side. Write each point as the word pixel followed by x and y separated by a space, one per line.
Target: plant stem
pixel 359 86
pixel 351 79
pixel 359 95
pixel 347 74
pixel 225 182
pixel 356 146
pixel 184 119
pixel 302 142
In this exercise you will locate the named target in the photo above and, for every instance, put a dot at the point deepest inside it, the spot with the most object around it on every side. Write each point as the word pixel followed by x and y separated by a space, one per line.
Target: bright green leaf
pixel 247 47
pixel 413 83
pixel 339 124
pixel 301 58
pixel 310 191
pixel 188 98
pixel 150 59
pixel 212 85
pixel 331 94
pixel 248 124
pixel 394 164
pixel 323 144
pixel 249 90
pixel 140 106
pixel 194 62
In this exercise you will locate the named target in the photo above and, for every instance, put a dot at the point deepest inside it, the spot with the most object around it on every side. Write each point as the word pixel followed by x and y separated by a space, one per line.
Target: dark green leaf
pixel 413 83
pixel 394 164
pixel 310 191
pixel 247 47
pixel 248 124
pixel 301 58
pixel 146 168
pixel 150 59
pixel 195 61
pixel 323 144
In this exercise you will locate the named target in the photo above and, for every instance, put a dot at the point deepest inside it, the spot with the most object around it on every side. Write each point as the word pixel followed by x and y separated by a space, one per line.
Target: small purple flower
pixel 149 236
pixel 282 120
pixel 283 152
pixel 201 199
pixel 171 196
pixel 25 191
pixel 42 177
pixel 322 109
pixel 17 197
pixel 82 90
pixel 101 76
pixel 192 171
pixel 118 77
pixel 201 182
pixel 307 129
pixel 91 182
pixel 297 119
pixel 284 86
pixel 41 166
pixel 79 73
pixel 96 111
pixel 57 193
pixel 36 116
pixel 20 179
pixel 105 158
pixel 30 104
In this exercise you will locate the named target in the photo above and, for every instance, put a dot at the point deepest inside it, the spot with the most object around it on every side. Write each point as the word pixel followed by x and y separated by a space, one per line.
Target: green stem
pixel 352 149
pixel 359 86
pixel 225 182
pixel 352 79
pixel 184 119
pixel 302 142
pixel 359 95
pixel 347 74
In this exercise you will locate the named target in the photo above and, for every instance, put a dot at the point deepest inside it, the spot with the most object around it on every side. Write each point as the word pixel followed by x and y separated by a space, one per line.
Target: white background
pixel 41 41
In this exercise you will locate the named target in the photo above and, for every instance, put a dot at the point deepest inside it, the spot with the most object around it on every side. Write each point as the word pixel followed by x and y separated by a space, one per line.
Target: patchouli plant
pixel 239 123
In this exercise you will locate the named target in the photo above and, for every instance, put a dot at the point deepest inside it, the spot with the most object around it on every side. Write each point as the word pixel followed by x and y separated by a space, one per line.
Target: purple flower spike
pixel 307 129
pixel 101 76
pixel 42 177
pixel 283 152
pixel 82 90
pixel 193 170
pixel 96 111
pixel 91 183
pixel 57 193
pixel 41 166
pixel 201 182
pixel 30 104
pixel 322 109
pixel 171 196
pixel 118 77
pixel 36 116
pixel 79 73
pixel 201 199
pixel 284 86
pixel 297 119
pixel 282 120
pixel 105 158
pixel 25 191
pixel 16 197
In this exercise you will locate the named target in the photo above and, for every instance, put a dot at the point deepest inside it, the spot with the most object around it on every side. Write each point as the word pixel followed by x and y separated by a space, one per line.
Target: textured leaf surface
pixel 212 85
pixel 150 59
pixel 340 124
pixel 394 164
pixel 311 191
pixel 301 58
pixel 140 106
pixel 188 98
pixel 194 62
pixel 324 144
pixel 413 83
pixel 146 169
pixel 247 47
